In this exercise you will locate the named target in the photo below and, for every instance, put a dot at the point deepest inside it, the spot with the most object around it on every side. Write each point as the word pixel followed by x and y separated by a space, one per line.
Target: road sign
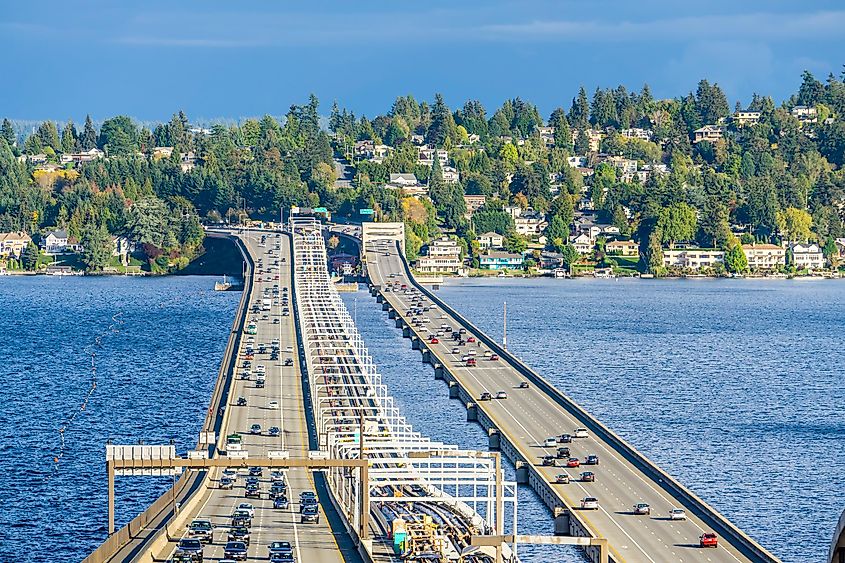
pixel 115 452
pixel 278 454
pixel 242 454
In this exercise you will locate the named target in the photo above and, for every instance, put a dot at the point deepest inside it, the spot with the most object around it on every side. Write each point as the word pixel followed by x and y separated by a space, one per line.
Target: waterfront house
pixel 490 240
pixel 55 242
pixel 764 257
pixel 499 260
pixel 807 256
pixel 122 246
pixel 692 258
pixel 711 133
pixel 12 244
pixel 840 247
pixel 583 243
pixel 622 248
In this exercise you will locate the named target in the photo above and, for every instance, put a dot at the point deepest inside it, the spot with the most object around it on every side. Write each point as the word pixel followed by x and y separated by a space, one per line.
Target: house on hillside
pixel 443 256
pixel 746 117
pixel 805 114
pixel 622 248
pixel 711 133
pixel 490 240
pixel 547 135
pixel 582 243
pixel 474 203
pixel 451 175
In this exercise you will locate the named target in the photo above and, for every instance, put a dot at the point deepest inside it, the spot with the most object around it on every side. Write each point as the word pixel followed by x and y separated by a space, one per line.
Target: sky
pixel 238 59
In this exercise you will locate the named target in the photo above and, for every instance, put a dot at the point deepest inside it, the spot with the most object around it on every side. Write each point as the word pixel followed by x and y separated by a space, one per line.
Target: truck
pixel 265 304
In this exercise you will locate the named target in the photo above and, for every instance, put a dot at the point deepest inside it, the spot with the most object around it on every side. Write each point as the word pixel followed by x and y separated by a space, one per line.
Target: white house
pixel 428 153
pixel 490 240
pixel 692 258
pixel 530 223
pixel 582 243
pixel 444 256
pixel 746 117
pixel 805 114
pixel 403 180
pixel 547 135
pixel 55 242
pixel 637 133
pixel 451 175
pixel 807 256
pixel 577 161
pixel 710 133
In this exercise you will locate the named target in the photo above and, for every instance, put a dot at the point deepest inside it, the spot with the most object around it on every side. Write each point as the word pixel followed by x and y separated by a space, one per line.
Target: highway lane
pixel 312 542
pixel 529 416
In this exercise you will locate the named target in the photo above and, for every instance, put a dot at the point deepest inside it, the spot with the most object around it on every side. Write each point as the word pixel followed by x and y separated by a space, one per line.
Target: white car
pixel 273 405
pixel 589 503
pixel 580 433
pixel 247 507
pixel 677 514
pixel 550 443
pixel 501 395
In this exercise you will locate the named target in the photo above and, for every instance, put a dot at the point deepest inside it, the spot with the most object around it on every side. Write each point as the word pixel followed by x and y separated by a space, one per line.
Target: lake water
pixel 158 343
pixel 735 387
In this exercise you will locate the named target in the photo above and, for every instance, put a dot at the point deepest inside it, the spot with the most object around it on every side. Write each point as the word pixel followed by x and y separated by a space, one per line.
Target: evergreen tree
pixel 29 256
pixel 735 260
pixel 97 247
pixel 579 113
pixel 442 123
pixel 7 132
pixel 69 140
pixel 89 136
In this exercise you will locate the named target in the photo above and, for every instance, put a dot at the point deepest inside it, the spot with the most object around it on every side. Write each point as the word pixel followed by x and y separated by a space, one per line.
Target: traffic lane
pixel 629 493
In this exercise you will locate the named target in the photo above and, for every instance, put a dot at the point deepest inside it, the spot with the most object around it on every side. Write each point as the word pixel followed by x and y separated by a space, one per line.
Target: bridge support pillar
pixel 439 372
pixel 494 439
pixel 521 472
pixel 406 330
pixel 391 313
pixel 415 342
pixel 454 390
pixel 472 412
pixel 561 514
pixel 379 297
pixel 385 306
pixel 426 357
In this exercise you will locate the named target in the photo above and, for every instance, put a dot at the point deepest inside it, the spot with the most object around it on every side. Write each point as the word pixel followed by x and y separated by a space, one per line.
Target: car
pixel 273 405
pixel 180 557
pixel 309 514
pixel 226 483
pixel 501 395
pixel 580 433
pixel 238 533
pixel 677 514
pixel 282 558
pixel 573 462
pixel 523 385
pixel 259 383
pixel 588 477
pixel 201 529
pixel 235 550
pixel 562 479
pixel 472 363
pixel 278 489
pixel 255 429
pixel 708 539
pixel 485 397
pixel 241 401
pixel 252 492
pixel 281 502
pixel 564 439
pixel 642 508
pixel 434 340
pixel 241 518
pixel 563 453
pixel 248 508
pixel 591 460
pixel 549 460
pixel 192 547
pixel 255 472
pixel 456 350
pixel 278 547
pixel 288 361
pixel 274 431
pixel 589 503
pixel 550 442
pixel 277 476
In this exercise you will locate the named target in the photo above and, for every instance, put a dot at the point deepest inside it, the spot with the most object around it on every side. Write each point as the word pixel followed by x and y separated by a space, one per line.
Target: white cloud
pixel 771 26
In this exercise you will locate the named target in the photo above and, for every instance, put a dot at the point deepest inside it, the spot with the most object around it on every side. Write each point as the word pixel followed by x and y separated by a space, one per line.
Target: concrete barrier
pixel 715 520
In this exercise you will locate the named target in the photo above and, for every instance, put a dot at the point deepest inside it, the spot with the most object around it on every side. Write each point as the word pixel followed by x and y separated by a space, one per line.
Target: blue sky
pixel 237 59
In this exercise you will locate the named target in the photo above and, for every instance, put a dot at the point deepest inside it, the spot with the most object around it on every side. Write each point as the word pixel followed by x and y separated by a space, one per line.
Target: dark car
pixel 281 502
pixel 591 460
pixel 226 483
pixel 241 401
pixel 549 461
pixel 274 431
pixel 202 530
pixel 239 533
pixel 190 546
pixel 564 439
pixel 235 550
pixel 279 547
pixel 252 491
pixel 255 471
pixel 306 503
pixel 588 476
pixel 309 514
pixel 563 453
pixel 282 558
pixel 288 362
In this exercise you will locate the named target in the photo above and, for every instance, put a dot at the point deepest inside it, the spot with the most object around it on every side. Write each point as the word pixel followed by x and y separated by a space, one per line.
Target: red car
pixel 471 362
pixel 573 462
pixel 435 341
pixel 708 539
pixel 494 357
pixel 470 339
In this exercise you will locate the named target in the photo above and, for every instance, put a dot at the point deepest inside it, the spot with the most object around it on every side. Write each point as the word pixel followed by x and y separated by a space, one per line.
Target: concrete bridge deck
pixel 521 423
